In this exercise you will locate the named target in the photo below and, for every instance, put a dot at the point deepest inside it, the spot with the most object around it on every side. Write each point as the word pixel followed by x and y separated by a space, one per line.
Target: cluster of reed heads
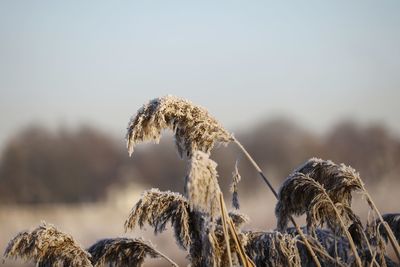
pixel 213 236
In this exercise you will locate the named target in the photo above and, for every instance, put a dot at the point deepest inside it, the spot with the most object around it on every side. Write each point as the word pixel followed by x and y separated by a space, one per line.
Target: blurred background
pixel 292 80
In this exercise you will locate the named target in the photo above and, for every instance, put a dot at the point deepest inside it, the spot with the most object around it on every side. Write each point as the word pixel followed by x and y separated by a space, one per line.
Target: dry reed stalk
pixel 324 245
pixel 246 262
pixel 193 126
pixel 393 220
pixel 245 259
pixel 225 229
pixel 389 231
pixel 121 252
pixel 201 184
pixel 47 246
pixel 322 252
pixel 157 209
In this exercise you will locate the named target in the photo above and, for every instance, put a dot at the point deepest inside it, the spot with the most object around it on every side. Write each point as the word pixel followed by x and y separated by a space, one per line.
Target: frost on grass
pixel 121 252
pixel 193 126
pixel 47 246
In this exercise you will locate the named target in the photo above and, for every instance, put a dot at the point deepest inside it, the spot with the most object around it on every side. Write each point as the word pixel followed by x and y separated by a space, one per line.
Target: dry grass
pixel 203 228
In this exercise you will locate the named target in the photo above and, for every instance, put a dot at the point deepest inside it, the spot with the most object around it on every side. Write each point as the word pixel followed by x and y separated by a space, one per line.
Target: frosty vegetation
pixel 213 236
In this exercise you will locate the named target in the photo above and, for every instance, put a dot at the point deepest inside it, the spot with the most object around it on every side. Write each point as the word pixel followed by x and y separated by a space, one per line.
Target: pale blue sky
pixel 72 62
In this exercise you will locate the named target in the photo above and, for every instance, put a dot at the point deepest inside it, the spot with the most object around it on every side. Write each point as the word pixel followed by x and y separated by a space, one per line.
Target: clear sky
pixel 96 62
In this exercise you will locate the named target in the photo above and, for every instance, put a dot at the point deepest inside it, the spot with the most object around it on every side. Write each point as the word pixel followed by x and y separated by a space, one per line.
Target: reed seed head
pixel 157 209
pixel 121 252
pixel 47 246
pixel 301 194
pixel 193 126
pixel 338 180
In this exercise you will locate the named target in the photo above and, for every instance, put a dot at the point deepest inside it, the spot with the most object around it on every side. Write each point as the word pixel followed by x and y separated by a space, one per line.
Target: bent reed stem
pixel 389 231
pixel 166 258
pixel 240 249
pixel 225 228
pixel 348 235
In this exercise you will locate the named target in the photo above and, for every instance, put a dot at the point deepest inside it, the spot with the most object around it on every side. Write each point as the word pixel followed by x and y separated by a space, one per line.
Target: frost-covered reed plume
pixel 201 184
pixel 121 252
pixel 301 194
pixel 338 180
pixel 47 246
pixel 268 249
pixel 193 126
pixel 157 208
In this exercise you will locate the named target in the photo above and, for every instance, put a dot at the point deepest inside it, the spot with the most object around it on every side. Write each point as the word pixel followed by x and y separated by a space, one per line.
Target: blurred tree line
pixel 65 166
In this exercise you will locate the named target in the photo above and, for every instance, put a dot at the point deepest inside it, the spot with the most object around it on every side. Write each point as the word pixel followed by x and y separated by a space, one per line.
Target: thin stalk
pixel 167 258
pixel 351 242
pixel 242 254
pixel 389 231
pixel 255 165
pixel 244 258
pixel 324 254
pixel 225 229
pixel 373 253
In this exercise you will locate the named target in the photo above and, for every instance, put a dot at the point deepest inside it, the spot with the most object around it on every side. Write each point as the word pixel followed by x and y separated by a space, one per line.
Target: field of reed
pixel 311 214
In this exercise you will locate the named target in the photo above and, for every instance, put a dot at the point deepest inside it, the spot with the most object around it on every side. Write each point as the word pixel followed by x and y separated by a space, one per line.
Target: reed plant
pixel 210 234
